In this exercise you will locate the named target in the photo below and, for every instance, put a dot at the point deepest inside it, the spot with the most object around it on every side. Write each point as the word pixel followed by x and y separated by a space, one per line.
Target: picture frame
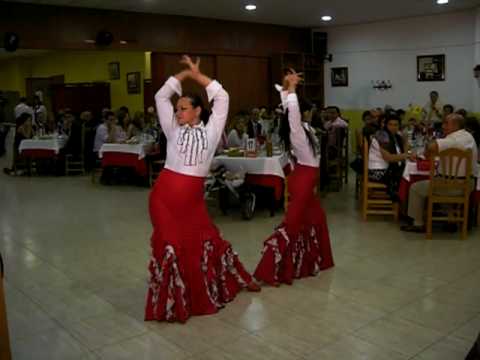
pixel 431 67
pixel 133 82
pixel 339 76
pixel 114 70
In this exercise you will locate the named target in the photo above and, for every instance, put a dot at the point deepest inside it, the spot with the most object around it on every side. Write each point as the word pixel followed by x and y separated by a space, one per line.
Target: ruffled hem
pixel 171 297
pixel 285 259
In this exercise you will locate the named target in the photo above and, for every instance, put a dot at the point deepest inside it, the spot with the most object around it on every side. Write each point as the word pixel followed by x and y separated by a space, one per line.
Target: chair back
pixel 366 150
pixel 453 173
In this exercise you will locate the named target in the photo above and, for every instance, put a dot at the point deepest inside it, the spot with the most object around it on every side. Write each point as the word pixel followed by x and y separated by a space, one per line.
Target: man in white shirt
pixel 456 138
pixel 432 111
pixel 108 132
pixel 22 107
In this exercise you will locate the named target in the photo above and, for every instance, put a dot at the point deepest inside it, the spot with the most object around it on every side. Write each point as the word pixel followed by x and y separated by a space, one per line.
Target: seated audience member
pixel 24 130
pixel 447 110
pixel 387 155
pixel 73 129
pixel 237 137
pixel 370 127
pixel 334 119
pixel 108 132
pixel 401 114
pixel 90 124
pixel 254 126
pixel 462 112
pixel 456 137
pixel 123 117
pixel 136 127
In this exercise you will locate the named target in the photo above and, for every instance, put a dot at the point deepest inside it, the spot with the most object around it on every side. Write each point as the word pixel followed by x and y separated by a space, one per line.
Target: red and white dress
pixel 300 246
pixel 193 270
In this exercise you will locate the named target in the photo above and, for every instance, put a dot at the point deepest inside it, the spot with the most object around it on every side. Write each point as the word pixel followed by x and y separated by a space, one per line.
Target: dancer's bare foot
pixel 253 287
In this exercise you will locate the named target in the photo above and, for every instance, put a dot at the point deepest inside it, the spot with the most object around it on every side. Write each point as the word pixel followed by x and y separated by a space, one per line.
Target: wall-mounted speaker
pixel 104 38
pixel 11 41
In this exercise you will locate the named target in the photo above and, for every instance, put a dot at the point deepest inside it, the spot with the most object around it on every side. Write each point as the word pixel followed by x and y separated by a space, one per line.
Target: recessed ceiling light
pixel 442 2
pixel 327 18
pixel 250 7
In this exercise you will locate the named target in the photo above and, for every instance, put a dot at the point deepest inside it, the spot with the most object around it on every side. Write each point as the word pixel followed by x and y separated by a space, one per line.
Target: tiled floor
pixel 76 259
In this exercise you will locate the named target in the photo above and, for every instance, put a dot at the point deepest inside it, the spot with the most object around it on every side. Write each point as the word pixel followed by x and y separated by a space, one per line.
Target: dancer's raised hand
pixel 193 66
pixel 292 79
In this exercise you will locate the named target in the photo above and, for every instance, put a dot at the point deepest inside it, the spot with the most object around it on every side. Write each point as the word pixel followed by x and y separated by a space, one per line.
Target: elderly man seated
pixel 456 137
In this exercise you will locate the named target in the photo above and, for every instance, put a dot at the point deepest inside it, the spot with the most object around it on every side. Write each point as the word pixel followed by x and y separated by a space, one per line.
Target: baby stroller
pixel 229 185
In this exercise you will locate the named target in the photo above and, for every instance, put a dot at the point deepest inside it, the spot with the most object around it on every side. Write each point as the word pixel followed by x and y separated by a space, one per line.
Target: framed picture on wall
pixel 431 68
pixel 339 76
pixel 114 71
pixel 133 82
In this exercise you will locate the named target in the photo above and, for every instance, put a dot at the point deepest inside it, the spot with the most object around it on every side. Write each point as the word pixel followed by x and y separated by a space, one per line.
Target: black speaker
pixel 320 43
pixel 104 38
pixel 11 41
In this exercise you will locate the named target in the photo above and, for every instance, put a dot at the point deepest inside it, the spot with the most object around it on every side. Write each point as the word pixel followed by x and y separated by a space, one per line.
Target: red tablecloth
pixel 119 159
pixel 38 153
pixel 275 182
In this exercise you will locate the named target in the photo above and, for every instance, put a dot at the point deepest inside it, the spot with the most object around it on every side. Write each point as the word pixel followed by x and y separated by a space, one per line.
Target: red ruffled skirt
pixel 300 246
pixel 193 270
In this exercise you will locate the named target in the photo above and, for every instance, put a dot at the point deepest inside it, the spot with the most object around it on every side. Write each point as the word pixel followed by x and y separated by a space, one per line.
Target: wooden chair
pixel 97 170
pixel 337 157
pixel 450 186
pixel 5 353
pixel 375 199
pixel 76 163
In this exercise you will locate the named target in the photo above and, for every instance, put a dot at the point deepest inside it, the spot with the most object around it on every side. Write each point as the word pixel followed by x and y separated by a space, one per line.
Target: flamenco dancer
pixel 300 246
pixel 193 270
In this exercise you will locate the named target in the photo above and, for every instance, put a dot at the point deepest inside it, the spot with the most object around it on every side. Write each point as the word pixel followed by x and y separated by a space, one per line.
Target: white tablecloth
pixel 54 144
pixel 411 169
pixel 258 166
pixel 138 149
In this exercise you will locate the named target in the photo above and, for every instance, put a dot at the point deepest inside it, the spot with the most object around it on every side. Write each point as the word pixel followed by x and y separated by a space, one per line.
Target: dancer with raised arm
pixel 193 270
pixel 300 246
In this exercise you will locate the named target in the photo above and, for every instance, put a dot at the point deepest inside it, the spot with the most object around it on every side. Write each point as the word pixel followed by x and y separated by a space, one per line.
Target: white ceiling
pixel 299 13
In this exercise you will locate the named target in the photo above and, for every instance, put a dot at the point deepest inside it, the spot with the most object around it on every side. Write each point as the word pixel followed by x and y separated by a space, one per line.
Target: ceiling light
pixel 250 7
pixel 327 18
pixel 442 2
pixel 123 42
pixel 89 41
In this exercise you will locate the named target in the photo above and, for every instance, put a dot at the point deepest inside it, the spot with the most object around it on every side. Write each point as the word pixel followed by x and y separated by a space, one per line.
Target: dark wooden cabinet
pixel 311 65
pixel 81 96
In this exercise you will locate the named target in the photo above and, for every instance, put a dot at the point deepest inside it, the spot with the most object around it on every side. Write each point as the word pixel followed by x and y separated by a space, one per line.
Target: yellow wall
pixel 13 74
pixel 79 66
pixel 90 66
pixel 148 65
